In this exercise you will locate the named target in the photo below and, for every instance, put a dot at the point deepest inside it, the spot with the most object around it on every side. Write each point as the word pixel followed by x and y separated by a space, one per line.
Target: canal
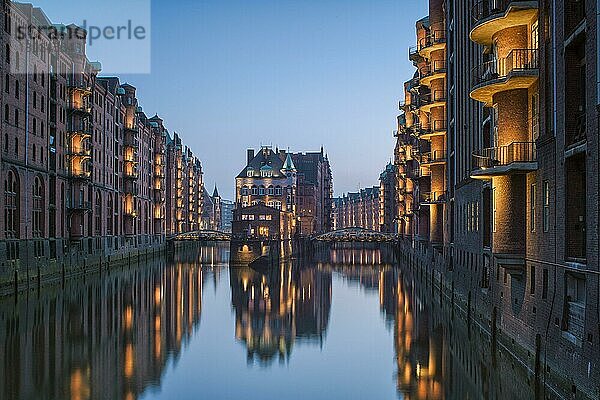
pixel 349 324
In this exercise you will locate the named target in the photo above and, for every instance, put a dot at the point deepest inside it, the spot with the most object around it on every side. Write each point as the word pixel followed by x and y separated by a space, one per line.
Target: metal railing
pixel 78 204
pixel 485 9
pixel 518 60
pixel 434 37
pixel 433 156
pixel 435 97
pixel 438 67
pixel 433 197
pixel 490 157
pixel 79 107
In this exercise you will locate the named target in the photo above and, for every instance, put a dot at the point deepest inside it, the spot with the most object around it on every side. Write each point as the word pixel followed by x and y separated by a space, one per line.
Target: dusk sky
pixel 229 75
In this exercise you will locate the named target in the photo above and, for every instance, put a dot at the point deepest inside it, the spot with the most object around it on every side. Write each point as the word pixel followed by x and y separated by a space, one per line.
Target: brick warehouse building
pixel 358 210
pixel 298 185
pixel 519 238
pixel 87 175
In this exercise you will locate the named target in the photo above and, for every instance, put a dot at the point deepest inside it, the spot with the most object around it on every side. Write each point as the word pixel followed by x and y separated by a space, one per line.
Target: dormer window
pixel 250 172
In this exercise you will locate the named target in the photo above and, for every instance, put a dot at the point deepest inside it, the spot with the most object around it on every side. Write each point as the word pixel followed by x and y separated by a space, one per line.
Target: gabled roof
pixel 268 158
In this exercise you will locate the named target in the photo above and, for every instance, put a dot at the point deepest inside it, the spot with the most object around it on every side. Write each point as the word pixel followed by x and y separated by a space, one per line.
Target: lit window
pixel 546 206
pixel 249 172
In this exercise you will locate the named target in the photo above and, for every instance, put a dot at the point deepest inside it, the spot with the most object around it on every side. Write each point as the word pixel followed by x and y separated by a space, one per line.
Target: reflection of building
pixel 108 337
pixel 265 188
pixel 275 309
pixel 360 209
pixel 314 193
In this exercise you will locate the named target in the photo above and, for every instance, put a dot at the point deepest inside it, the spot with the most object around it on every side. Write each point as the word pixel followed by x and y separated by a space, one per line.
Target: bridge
pixel 357 235
pixel 202 236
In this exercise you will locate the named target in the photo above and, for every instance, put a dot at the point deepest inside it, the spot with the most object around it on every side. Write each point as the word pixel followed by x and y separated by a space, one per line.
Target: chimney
pixel 250 155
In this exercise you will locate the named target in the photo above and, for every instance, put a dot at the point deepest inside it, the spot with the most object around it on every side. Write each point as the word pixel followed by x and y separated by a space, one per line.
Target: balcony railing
pixel 436 126
pixel 78 204
pixel 433 197
pixel 431 98
pixel 437 67
pixel 488 9
pixel 434 37
pixel 435 156
pixel 518 60
pixel 516 152
pixel 80 108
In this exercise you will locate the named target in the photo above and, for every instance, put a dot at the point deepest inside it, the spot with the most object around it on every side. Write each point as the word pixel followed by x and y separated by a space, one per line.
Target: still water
pixel 351 325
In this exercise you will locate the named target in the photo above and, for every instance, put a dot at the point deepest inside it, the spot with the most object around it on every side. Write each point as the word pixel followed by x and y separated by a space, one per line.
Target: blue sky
pixel 233 74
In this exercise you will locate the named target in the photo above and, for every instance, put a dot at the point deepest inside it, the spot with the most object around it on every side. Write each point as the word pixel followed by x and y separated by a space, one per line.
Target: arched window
pixel 98 214
pixel 109 217
pixel 38 208
pixel 11 208
pixel 261 190
pixel 254 191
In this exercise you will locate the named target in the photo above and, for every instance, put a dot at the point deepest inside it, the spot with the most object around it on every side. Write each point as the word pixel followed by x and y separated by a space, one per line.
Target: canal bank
pixel 30 271
pixel 545 369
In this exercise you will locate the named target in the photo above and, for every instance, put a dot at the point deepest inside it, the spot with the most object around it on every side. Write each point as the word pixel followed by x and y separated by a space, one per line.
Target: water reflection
pixel 121 333
pixel 276 307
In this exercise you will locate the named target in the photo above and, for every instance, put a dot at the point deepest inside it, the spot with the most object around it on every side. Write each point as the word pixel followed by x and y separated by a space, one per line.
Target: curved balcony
pixel 435 128
pixel 514 158
pixel 432 198
pixel 493 16
pixel 435 40
pixel 413 54
pixel 431 72
pixel 131 174
pixel 519 70
pixel 432 100
pixel 436 157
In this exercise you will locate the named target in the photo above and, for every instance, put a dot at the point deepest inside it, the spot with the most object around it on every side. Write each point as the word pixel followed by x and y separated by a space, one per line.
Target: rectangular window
pixel 532 279
pixel 494 210
pixel 532 208
pixel 546 219
pixel 545 283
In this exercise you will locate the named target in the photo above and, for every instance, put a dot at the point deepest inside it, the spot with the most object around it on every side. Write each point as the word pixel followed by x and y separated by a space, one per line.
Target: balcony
pixel 436 157
pixel 131 174
pixel 517 157
pixel 435 128
pixel 80 86
pixel 84 130
pixel 435 40
pixel 432 198
pixel 84 152
pixel 492 16
pixel 130 141
pixel 79 108
pixel 130 213
pixel 431 72
pixel 432 100
pixel 519 70
pixel 78 205
pixel 81 175
pixel 413 54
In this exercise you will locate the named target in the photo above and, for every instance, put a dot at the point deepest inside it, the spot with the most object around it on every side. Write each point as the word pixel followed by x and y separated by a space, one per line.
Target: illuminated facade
pixel 514 185
pixel 84 169
pixel 358 210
